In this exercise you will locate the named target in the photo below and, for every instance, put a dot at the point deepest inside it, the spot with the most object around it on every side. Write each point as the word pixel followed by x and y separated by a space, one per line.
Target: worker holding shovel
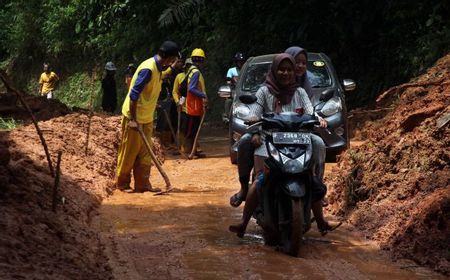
pixel 137 122
pixel 196 101
pixel 179 93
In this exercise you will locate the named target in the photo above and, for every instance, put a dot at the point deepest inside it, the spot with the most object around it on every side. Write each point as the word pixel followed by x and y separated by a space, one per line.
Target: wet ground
pixel 185 235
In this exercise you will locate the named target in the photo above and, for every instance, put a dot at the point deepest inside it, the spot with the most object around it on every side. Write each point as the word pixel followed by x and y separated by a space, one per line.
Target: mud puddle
pixel 185 235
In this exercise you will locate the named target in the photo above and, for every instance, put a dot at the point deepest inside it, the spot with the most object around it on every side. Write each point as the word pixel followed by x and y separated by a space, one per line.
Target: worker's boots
pixel 123 182
pixel 141 175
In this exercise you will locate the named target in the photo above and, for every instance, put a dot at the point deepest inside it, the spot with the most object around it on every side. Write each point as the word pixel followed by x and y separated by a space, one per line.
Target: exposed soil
pixel 42 108
pixel 395 186
pixel 35 242
pixel 184 235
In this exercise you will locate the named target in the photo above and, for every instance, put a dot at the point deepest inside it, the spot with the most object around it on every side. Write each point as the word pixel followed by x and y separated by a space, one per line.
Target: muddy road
pixel 185 235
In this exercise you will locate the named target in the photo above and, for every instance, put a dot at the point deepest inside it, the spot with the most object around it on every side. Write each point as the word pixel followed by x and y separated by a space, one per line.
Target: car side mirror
pixel 247 98
pixel 327 94
pixel 349 85
pixel 224 91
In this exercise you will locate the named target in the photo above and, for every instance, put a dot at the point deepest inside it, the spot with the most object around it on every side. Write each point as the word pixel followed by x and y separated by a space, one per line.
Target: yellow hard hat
pixel 198 52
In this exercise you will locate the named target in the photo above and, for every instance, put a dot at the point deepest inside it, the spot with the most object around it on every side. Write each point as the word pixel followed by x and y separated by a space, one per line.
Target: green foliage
pixel 78 90
pixel 9 123
pixel 379 44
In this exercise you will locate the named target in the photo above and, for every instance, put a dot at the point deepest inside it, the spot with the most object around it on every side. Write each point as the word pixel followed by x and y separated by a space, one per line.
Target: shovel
pixel 157 163
pixel 194 146
pixel 169 123
pixel 177 136
pixel 178 125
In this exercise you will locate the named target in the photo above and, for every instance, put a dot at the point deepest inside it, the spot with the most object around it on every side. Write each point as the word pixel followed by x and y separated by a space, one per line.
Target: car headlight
pixel 241 111
pixel 274 152
pixel 332 106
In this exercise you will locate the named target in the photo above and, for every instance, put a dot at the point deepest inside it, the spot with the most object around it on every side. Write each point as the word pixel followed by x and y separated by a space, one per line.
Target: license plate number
pixel 291 138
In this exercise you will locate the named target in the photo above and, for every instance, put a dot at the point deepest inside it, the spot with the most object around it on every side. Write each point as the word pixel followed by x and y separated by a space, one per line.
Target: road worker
pixel 138 111
pixel 196 100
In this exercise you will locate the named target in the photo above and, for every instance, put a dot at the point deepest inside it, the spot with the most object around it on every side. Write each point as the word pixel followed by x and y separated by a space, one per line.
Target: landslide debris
pixel 35 242
pixel 42 108
pixel 396 185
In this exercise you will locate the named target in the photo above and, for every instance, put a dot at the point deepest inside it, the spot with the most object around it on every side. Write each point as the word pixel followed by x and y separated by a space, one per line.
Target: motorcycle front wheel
pixel 297 224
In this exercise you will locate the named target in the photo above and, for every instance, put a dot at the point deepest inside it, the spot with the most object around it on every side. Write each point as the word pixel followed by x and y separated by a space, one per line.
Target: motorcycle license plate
pixel 291 138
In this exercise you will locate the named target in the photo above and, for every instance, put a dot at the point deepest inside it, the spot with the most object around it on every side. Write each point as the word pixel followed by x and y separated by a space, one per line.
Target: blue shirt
pixel 193 85
pixel 142 79
pixel 233 72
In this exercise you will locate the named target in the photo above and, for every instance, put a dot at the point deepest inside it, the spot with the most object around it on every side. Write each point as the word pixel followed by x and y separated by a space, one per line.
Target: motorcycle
pixel 285 190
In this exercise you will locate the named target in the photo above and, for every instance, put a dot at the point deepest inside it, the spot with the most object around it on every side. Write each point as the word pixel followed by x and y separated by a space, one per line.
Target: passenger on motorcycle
pixel 280 93
pixel 301 58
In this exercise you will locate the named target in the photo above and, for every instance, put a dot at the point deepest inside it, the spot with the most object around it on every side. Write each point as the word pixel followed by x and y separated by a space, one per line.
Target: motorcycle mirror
pixel 224 91
pixel 327 94
pixel 247 98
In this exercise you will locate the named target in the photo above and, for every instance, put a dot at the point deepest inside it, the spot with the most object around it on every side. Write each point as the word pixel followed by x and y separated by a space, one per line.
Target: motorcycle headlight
pixel 241 111
pixel 293 166
pixel 332 106
pixel 274 152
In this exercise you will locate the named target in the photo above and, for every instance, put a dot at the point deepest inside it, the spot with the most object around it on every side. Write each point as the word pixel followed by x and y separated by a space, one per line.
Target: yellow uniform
pixel 133 154
pixel 176 89
pixel 48 82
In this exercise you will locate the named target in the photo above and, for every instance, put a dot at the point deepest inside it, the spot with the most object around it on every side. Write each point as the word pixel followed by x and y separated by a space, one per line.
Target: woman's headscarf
pixel 302 81
pixel 283 94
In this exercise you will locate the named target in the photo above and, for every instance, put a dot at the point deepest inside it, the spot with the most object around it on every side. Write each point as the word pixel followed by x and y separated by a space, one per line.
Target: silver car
pixel 328 99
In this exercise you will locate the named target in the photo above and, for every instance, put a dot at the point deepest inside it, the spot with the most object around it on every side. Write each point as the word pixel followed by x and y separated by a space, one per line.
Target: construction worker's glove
pixel 181 101
pixel 133 124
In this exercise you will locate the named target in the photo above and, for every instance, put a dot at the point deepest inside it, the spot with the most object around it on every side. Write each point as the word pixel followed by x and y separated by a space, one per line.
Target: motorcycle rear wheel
pixel 297 225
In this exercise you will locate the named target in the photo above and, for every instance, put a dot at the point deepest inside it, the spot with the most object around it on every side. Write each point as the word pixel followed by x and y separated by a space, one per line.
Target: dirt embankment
pixel 42 108
pixel 396 186
pixel 35 242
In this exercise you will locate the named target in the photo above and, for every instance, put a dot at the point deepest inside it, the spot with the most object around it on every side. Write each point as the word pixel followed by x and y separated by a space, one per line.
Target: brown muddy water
pixel 184 235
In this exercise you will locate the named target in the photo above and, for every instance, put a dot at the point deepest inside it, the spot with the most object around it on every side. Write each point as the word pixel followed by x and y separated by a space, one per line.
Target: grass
pixel 9 123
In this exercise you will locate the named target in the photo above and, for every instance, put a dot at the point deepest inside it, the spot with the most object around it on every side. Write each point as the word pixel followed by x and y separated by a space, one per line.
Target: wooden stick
pixel 156 161
pixel 9 87
pixel 178 126
pixel 171 128
pixel 56 186
pixel 194 146
pixel 91 110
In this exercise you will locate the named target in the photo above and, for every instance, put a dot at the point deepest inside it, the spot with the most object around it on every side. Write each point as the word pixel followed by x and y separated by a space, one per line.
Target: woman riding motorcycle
pixel 280 94
pixel 246 149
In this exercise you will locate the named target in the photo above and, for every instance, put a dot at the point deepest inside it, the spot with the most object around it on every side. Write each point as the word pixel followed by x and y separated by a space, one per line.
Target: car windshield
pixel 255 75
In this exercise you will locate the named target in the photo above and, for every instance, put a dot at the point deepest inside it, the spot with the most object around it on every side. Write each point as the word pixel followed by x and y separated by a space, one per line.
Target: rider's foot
pixel 237 198
pixel 328 227
pixel 200 154
pixel 238 229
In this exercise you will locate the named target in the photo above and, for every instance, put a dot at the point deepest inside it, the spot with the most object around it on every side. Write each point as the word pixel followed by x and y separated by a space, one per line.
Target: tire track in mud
pixel 184 235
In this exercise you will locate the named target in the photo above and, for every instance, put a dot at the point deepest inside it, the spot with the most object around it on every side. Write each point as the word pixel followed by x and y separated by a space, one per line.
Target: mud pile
pixel 35 242
pixel 396 186
pixel 43 109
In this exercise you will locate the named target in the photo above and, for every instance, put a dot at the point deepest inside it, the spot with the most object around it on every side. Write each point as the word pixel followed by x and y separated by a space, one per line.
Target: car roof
pixel 267 58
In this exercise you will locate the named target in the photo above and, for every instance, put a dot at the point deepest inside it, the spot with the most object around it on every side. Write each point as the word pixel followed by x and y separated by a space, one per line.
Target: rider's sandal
pixel 238 229
pixel 236 200
pixel 328 228
pixel 154 189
